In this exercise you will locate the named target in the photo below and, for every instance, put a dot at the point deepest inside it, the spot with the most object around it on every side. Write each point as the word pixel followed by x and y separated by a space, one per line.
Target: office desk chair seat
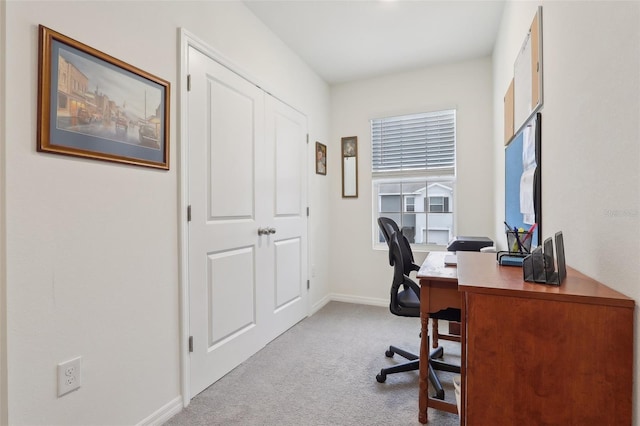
pixel 405 301
pixel 408 300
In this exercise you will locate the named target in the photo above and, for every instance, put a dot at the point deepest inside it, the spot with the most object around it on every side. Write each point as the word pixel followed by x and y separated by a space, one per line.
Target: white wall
pixel 3 310
pixel 92 259
pixel 358 272
pixel 91 266
pixel 590 133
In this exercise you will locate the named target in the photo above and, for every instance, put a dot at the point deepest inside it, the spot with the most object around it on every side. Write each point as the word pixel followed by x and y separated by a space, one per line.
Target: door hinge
pixel 308 284
pixel 190 343
pixel 189 213
pixel 307 211
pixel 188 82
pixel 307 137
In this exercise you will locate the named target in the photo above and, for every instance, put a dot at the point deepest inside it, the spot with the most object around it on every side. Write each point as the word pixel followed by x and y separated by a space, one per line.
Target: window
pixel 438 205
pixel 409 204
pixel 413 168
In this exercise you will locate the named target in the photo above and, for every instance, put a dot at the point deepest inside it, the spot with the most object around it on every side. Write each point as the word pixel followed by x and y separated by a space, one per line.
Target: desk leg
pixel 423 397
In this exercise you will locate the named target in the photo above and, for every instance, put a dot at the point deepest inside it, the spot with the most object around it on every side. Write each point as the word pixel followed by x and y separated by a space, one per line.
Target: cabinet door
pixel 535 361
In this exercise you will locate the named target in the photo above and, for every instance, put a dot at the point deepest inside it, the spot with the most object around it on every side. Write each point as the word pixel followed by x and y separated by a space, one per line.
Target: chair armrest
pixel 412 285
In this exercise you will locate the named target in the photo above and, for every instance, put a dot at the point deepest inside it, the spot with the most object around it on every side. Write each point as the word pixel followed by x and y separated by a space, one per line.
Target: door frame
pixel 187 40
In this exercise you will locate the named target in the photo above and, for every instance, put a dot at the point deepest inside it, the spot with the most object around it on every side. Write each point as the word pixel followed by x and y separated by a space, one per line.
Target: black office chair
pixel 405 301
pixel 388 227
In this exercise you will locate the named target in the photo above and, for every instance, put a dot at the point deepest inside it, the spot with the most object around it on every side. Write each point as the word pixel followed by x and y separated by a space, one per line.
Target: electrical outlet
pixel 69 377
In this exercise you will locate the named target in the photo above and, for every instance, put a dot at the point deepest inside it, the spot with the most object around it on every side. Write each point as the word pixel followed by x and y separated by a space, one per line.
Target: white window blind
pixel 416 142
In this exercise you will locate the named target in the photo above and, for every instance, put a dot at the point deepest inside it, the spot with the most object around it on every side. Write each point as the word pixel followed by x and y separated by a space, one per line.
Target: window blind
pixel 416 142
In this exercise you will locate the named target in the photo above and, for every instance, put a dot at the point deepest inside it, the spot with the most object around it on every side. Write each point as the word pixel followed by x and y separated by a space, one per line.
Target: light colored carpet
pixel 322 372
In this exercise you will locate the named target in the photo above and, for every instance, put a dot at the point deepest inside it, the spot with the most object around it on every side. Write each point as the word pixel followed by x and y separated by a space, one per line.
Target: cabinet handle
pixel 263 231
pixel 272 230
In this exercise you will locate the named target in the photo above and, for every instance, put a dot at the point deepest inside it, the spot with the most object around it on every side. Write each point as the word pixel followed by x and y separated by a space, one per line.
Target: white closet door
pixel 286 147
pixel 226 127
pixel 246 174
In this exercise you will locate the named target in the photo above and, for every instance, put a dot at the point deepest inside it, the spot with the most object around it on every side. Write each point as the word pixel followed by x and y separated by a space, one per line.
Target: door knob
pixel 263 231
pixel 271 230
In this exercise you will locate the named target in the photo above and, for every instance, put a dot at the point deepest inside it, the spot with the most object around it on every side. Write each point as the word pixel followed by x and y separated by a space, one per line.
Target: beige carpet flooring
pixel 322 372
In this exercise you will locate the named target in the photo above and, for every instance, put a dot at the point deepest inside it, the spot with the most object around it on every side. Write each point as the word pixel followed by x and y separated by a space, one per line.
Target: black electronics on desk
pixel 469 243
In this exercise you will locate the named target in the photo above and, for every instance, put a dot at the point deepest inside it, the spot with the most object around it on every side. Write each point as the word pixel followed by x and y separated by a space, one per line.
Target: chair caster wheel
pixel 389 353
pixel 381 378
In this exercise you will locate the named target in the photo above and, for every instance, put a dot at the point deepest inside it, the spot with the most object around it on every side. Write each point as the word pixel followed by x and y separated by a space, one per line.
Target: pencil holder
pixel 518 242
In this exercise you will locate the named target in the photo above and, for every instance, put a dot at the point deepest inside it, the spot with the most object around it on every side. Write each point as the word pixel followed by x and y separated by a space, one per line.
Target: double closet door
pixel 247 192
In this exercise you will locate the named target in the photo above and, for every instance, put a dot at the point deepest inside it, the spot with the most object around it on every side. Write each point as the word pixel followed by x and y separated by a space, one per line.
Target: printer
pixel 469 243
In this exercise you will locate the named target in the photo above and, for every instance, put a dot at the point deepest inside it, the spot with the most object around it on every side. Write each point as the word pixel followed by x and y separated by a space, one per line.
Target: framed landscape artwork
pixel 95 106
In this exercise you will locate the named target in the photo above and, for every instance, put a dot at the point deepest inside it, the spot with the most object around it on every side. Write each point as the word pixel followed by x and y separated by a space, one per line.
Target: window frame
pixel 444 175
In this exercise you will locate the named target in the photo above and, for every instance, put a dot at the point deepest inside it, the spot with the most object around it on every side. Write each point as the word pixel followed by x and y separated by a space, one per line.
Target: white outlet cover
pixel 69 377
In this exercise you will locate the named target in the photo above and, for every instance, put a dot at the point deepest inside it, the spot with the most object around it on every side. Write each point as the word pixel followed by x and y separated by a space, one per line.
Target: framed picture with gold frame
pixel 93 105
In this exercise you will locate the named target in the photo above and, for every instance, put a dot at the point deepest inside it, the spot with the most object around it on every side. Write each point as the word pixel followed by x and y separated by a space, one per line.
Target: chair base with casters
pixel 412 365
pixel 435 364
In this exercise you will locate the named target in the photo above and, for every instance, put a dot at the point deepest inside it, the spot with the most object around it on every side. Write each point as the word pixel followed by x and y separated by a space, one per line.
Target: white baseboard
pixel 359 299
pixel 319 305
pixel 347 298
pixel 163 414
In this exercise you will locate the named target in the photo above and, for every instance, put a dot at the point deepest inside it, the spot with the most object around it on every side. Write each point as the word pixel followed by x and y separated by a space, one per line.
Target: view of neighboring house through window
pixel 409 203
pixel 413 166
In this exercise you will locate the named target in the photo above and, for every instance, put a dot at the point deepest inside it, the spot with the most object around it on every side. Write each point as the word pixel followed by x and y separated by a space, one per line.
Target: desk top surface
pixel 434 267
pixel 480 273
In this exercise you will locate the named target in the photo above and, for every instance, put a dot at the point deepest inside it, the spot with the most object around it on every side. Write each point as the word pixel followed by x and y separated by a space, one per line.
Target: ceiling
pixel 351 40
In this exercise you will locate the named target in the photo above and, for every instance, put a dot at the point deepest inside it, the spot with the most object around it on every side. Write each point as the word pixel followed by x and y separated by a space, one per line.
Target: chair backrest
pixel 389 227
pixel 406 255
pixel 399 305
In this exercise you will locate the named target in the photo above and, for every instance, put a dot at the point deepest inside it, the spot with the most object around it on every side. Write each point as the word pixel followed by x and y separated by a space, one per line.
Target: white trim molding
pixel 163 414
pixel 348 298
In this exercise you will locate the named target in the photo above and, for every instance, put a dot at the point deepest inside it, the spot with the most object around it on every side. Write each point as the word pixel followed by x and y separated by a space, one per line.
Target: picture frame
pixel 349 167
pixel 321 159
pixel 92 105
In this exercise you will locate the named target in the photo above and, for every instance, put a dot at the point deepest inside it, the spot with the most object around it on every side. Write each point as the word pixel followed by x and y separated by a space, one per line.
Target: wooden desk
pixel 534 353
pixel 438 290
